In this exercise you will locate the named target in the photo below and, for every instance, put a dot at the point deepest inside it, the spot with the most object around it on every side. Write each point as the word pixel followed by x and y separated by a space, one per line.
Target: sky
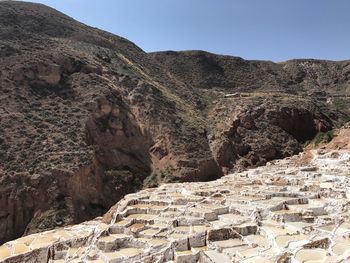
pixel 275 30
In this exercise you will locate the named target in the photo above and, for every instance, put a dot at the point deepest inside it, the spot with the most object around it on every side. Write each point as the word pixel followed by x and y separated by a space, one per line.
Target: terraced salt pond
pixel 277 213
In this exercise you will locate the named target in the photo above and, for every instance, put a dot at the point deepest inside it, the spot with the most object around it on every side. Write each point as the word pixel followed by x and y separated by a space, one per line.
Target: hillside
pixel 87 117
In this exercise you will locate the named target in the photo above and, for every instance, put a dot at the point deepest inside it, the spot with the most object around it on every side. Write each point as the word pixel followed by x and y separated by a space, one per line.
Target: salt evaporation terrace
pixel 277 213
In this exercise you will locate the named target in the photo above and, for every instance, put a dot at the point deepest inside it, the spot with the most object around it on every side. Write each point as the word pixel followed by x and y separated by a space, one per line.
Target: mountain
pixel 87 117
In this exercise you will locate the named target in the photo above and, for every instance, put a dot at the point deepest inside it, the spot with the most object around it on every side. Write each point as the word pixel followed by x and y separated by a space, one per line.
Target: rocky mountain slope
pixel 87 117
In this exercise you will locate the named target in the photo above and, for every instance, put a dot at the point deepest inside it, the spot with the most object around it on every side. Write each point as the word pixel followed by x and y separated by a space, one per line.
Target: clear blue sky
pixel 253 29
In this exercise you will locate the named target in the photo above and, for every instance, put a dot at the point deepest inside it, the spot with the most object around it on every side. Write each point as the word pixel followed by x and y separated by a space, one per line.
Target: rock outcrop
pixel 87 117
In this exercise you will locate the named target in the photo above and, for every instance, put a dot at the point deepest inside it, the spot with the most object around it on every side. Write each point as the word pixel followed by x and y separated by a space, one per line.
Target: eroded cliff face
pixel 116 137
pixel 87 117
pixel 259 134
